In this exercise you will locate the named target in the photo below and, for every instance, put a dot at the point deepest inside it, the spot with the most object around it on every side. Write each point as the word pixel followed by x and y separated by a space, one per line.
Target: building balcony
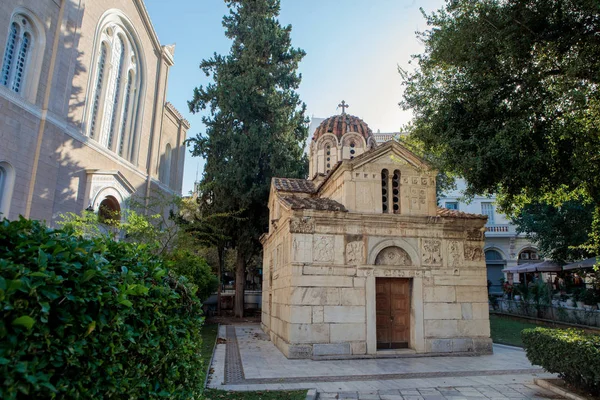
pixel 498 230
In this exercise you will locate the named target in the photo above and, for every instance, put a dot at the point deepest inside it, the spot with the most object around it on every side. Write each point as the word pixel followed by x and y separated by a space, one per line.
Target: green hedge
pixel 572 354
pixel 93 319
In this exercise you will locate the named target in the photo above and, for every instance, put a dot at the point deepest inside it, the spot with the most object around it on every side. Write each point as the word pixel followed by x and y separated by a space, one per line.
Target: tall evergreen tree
pixel 256 128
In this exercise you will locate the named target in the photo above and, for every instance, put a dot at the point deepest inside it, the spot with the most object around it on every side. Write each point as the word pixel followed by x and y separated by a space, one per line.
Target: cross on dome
pixel 343 105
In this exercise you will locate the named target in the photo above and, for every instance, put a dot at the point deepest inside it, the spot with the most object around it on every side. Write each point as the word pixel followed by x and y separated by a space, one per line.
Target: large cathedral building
pixel 359 261
pixel 84 120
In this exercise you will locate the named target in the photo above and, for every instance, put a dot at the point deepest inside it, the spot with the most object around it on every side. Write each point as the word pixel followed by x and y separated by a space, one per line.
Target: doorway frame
pixel 417 337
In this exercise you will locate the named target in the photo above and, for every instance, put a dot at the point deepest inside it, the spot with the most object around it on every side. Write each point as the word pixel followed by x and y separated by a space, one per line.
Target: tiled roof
pixel 343 123
pixel 444 212
pixel 294 185
pixel 313 203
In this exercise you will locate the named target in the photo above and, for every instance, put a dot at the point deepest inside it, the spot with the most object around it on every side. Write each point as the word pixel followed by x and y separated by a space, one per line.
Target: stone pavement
pixel 249 361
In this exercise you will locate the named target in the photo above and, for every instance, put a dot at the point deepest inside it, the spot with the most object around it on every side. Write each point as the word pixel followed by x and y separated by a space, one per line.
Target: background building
pixel 84 120
pixel 504 247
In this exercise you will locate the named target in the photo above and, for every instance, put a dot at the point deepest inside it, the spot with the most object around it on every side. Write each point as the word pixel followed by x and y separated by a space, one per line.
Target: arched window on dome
pixel 115 87
pixel 22 59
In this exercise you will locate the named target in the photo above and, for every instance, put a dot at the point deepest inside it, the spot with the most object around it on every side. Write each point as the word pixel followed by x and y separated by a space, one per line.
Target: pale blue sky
pixel 353 50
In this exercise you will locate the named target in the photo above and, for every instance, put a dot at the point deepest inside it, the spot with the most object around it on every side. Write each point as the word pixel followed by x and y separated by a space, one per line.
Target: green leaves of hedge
pixel 93 319
pixel 572 354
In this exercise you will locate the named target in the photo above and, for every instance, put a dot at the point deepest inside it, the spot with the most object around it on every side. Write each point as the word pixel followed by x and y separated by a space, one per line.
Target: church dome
pixel 341 124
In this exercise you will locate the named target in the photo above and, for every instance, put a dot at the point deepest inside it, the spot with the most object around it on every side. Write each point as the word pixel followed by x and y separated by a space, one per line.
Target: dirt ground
pixel 231 320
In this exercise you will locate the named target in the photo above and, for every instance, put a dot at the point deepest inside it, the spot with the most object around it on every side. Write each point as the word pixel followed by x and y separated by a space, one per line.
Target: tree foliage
pixel 93 318
pixel 506 96
pixel 256 126
pixel 161 232
pixel 560 232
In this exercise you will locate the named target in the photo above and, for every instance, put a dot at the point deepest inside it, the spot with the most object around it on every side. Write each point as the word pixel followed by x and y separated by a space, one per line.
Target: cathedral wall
pixel 18 133
pixel 65 153
pixel 153 83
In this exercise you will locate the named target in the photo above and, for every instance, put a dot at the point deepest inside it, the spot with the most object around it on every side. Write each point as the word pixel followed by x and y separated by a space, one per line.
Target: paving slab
pixel 249 361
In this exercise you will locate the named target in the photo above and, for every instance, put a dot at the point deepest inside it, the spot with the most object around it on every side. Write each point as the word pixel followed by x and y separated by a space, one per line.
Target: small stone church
pixel 359 260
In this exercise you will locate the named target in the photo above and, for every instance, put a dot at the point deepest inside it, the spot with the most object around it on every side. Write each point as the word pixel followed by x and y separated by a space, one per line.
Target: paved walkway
pixel 249 361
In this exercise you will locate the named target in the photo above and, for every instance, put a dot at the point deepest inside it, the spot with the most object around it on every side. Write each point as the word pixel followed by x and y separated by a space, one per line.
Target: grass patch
pixel 507 330
pixel 209 336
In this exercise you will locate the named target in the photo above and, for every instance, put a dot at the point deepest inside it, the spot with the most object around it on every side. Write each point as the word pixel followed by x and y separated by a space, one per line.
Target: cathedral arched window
pixel 22 55
pixel 7 180
pixel 166 175
pixel 115 90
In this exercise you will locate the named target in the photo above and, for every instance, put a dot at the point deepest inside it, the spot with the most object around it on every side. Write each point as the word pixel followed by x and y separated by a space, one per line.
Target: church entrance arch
pixel 392 301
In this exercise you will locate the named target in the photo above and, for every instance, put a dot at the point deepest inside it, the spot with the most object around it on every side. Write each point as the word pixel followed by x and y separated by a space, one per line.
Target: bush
pixel 93 319
pixel 572 354
pixel 196 270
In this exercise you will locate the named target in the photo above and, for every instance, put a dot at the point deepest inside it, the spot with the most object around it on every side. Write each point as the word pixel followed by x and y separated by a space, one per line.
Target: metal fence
pixel 569 315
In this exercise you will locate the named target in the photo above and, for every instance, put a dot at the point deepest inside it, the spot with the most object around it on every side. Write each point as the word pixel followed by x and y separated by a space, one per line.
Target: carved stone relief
pixel 455 255
pixel 302 225
pixel 302 248
pixel 475 235
pixel 432 252
pixel 354 253
pixel 473 253
pixel 393 256
pixel 323 248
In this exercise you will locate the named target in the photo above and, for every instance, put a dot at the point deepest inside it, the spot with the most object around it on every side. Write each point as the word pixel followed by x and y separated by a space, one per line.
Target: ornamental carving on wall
pixel 475 235
pixel 432 252
pixel 323 248
pixel 473 253
pixel 393 256
pixel 454 253
pixel 354 252
pixel 302 225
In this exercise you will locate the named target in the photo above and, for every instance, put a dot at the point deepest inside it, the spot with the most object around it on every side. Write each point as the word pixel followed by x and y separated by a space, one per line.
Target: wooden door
pixel 392 302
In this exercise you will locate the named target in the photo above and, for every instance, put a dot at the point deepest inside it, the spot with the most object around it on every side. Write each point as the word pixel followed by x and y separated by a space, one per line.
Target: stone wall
pixel 324 293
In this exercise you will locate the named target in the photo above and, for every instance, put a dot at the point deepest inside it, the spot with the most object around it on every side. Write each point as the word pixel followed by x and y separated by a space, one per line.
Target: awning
pixel 589 263
pixel 515 269
pixel 544 266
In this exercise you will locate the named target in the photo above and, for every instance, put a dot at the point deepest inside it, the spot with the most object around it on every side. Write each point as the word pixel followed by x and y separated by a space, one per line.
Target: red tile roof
pixel 343 123
pixel 294 185
pixel 313 203
pixel 444 212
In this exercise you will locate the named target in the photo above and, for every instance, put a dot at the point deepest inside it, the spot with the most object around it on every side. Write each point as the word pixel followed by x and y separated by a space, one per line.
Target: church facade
pixel 359 260
pixel 84 119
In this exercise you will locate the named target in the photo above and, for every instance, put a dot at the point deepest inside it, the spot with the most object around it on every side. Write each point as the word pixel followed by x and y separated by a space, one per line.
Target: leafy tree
pixel 506 95
pixel 559 232
pixel 158 230
pixel 256 128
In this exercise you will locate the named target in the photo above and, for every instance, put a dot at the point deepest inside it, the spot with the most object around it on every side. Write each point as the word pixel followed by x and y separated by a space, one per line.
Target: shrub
pixel 93 319
pixel 572 354
pixel 196 270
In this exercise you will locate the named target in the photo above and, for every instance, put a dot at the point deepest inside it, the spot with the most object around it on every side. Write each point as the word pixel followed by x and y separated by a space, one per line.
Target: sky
pixel 354 48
